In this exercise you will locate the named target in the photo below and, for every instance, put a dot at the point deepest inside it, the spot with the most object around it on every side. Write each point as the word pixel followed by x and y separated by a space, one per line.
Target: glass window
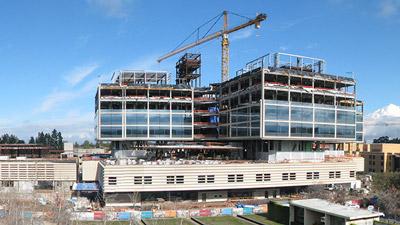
pixel 259 177
pixel 182 119
pixel 112 180
pixel 359 127
pixel 136 106
pixel 181 107
pixel 159 106
pixel 359 137
pixel 324 116
pixel 148 179
pixel 345 117
pixel 159 119
pixel 137 180
pixel 345 131
pixel 301 129
pixel 255 129
pixel 112 132
pixel 111 119
pixel 223 131
pixel 210 178
pixel 182 132
pixel 239 177
pixel 243 129
pixel 255 113
pixel 201 179
pixel 136 131
pixel 158 131
pixel 301 114
pixel 276 129
pixel 136 119
pixel 111 106
pixel 273 112
pixel 359 118
pixel 322 130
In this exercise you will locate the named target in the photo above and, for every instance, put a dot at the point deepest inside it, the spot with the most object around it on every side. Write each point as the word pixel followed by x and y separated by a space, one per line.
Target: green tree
pixel 60 142
pixel 32 140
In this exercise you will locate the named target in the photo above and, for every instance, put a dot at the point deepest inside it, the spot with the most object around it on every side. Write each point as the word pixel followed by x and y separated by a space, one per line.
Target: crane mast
pixel 224 42
pixel 225 50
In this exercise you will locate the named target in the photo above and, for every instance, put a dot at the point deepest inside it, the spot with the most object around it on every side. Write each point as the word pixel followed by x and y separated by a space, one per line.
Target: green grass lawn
pixel 170 221
pixel 221 220
pixel 261 218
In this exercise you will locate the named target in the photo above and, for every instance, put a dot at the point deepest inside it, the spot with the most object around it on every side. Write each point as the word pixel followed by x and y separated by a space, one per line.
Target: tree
pixel 32 140
pixel 87 144
pixel 40 138
pixel 53 139
pixel 60 143
pixel 10 139
pixel 386 139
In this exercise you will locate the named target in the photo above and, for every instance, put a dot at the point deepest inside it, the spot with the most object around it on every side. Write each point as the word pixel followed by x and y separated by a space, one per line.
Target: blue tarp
pixel 147 214
pixel 247 210
pixel 226 211
pixel 124 216
pixel 27 214
pixel 85 187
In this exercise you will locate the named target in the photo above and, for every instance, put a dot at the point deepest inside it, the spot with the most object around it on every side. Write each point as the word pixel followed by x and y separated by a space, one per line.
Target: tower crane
pixel 224 41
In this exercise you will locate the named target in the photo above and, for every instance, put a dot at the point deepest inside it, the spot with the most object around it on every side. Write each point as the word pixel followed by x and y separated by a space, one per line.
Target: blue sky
pixel 53 53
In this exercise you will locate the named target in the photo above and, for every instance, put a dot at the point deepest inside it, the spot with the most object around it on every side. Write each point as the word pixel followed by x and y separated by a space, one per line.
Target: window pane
pixel 182 132
pixel 136 131
pixel 159 119
pixel 345 131
pixel 345 117
pixel 324 116
pixel 136 119
pixel 359 127
pixel 322 130
pixel 302 114
pixel 181 119
pixel 276 129
pixel 301 129
pixel 111 119
pixel 114 132
pixel 157 131
pixel 273 112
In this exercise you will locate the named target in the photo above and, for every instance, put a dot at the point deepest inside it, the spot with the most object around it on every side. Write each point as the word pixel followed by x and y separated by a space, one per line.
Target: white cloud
pixel 80 73
pixel 112 8
pixel 243 34
pixel 74 125
pixel 389 8
pixel 53 99
pixel 57 98
pixel 383 122
pixel 283 48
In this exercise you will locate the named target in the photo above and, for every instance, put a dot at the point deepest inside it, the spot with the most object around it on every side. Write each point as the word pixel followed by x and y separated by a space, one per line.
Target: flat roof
pixel 334 209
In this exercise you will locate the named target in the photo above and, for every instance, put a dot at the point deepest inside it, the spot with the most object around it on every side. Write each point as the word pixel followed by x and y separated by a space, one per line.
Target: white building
pixel 30 174
pixel 317 211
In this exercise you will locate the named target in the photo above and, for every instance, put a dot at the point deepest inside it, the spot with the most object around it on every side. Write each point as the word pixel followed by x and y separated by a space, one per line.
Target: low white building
pixel 123 182
pixel 318 211
pixel 25 175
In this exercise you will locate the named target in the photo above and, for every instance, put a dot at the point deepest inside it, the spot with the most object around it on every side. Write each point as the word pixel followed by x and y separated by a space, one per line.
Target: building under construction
pixel 270 130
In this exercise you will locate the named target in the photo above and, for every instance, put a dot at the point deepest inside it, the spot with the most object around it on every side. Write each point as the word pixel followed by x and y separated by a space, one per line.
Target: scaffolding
pixel 188 70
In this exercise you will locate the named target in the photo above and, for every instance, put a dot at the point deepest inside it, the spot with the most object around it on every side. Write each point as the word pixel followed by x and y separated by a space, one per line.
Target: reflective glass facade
pixel 309 122
pixel 145 118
